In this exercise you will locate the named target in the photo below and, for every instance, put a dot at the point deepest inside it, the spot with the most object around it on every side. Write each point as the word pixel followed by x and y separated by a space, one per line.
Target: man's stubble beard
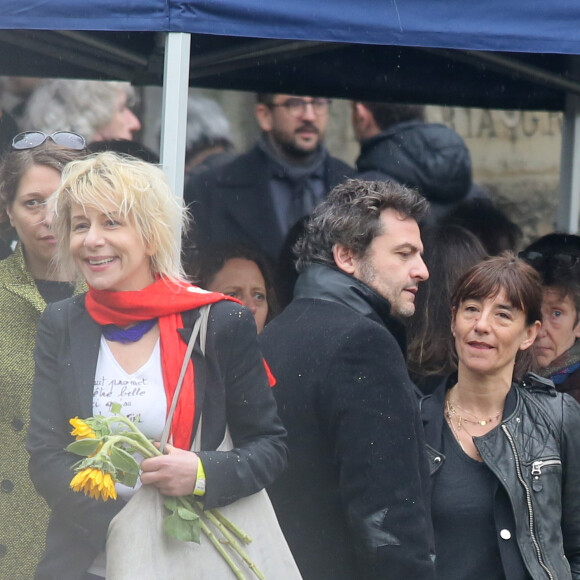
pixel 290 150
pixel 368 275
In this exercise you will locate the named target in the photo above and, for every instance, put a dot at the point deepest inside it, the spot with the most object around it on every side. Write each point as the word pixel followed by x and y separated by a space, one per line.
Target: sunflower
pixel 81 429
pixel 95 483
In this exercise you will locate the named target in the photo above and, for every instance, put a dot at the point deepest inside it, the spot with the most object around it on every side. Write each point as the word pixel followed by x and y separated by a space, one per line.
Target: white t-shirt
pixel 140 394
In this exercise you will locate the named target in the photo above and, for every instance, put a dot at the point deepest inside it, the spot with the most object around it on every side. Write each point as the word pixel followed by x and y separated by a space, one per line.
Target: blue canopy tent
pixel 508 54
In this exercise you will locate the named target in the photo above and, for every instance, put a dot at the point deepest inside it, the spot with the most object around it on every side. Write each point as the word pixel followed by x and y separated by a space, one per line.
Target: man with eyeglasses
pixel 260 195
pixel 556 257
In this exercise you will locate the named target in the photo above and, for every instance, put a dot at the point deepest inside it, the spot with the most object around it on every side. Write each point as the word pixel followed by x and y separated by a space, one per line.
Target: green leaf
pixel 84 447
pixel 170 503
pixel 116 408
pixel 184 530
pixel 124 461
pixel 186 514
pixel 128 479
pixel 196 531
pixel 99 425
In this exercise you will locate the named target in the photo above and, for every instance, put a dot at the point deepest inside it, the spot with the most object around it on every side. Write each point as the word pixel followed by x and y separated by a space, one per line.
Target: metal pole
pixel 174 108
pixel 569 206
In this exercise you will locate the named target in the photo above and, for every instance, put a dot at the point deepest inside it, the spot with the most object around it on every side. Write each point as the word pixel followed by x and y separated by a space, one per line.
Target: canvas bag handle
pixel 199 329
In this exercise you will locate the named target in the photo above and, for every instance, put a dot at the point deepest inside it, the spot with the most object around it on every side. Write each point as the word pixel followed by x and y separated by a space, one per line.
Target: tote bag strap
pixel 199 329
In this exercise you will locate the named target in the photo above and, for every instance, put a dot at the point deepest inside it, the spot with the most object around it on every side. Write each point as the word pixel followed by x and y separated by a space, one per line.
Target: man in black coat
pixel 396 143
pixel 256 198
pixel 354 502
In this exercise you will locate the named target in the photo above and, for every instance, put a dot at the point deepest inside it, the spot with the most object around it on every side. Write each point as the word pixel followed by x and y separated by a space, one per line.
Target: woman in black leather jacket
pixel 504 455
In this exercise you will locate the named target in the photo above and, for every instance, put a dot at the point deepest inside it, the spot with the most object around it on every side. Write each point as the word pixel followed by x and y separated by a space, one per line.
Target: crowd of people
pixel 375 352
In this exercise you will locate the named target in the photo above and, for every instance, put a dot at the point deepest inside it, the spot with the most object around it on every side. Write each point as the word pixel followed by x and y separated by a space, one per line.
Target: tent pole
pixel 569 206
pixel 174 108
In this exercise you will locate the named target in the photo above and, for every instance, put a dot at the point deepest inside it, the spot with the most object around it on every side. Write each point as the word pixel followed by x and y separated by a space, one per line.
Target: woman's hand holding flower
pixel 174 474
pixel 108 445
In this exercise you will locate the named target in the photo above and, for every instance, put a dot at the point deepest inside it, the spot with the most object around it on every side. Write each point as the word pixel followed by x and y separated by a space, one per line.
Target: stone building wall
pixel 516 156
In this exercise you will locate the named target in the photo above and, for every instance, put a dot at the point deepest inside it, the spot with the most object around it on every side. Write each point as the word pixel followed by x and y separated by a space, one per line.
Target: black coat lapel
pixel 244 195
pixel 199 379
pixel 252 210
pixel 85 336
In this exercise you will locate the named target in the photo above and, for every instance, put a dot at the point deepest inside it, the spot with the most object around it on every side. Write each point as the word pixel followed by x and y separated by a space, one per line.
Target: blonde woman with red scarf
pixel 118 226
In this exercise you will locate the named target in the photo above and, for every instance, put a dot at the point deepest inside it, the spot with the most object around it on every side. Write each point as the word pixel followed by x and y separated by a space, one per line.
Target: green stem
pixel 231 526
pixel 221 550
pixel 126 421
pixel 187 503
pixel 234 544
pixel 146 448
pixel 108 442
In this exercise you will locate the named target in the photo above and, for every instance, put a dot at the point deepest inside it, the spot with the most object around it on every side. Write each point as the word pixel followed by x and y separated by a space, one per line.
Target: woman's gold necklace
pixel 452 413
pixel 460 418
pixel 457 430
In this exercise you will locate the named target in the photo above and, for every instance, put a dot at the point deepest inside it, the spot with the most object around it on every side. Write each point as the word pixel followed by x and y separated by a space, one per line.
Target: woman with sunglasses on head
pixel 29 174
pixel 504 451
pixel 118 225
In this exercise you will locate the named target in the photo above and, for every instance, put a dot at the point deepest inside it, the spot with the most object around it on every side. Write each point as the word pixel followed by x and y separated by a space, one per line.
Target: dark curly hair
pixel 350 216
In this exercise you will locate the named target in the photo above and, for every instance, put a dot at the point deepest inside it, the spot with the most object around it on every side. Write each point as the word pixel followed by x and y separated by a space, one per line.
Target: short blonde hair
pixel 140 193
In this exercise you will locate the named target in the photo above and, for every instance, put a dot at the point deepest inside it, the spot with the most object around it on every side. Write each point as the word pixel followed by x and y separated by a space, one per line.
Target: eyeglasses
pixel 541 260
pixel 296 107
pixel 32 139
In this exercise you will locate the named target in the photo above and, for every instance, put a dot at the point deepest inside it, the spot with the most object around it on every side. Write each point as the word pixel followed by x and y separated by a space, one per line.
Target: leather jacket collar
pixel 433 406
pixel 323 282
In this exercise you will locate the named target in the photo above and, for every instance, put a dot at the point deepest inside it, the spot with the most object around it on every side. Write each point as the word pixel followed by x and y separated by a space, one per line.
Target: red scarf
pixel 165 300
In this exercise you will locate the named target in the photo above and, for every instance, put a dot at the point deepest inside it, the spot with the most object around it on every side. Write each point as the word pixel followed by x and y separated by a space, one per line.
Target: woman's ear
pixel 150 248
pixel 531 334
pixel 8 213
pixel 453 313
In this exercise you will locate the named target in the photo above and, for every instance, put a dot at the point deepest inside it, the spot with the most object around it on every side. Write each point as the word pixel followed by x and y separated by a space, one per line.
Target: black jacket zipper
pixel 529 502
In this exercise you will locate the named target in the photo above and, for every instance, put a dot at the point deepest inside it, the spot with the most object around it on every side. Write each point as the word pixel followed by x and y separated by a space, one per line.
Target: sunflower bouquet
pixel 108 446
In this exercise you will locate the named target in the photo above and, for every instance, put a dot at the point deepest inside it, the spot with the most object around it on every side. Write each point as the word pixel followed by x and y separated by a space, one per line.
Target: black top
pixel 536 425
pixel 463 491
pixel 53 291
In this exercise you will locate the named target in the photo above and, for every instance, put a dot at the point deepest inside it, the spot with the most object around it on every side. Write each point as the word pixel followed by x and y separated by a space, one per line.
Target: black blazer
pixel 232 203
pixel 231 388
